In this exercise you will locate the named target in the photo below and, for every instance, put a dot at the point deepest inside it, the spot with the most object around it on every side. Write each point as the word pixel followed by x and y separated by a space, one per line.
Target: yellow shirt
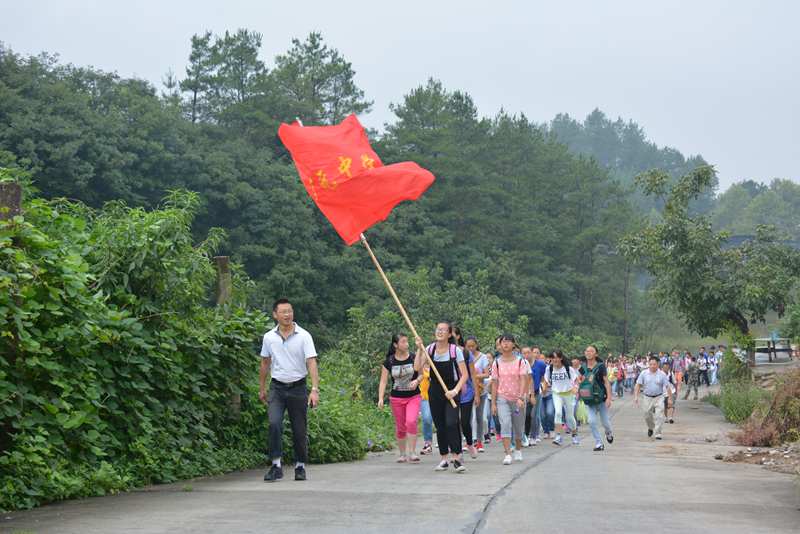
pixel 425 384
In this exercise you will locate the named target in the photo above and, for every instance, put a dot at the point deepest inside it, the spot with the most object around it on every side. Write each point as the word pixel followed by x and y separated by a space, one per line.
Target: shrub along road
pixel 637 484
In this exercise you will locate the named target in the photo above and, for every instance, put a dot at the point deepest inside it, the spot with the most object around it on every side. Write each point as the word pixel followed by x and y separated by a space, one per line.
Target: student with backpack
pixel 425 411
pixel 702 362
pixel 448 359
pixel 595 392
pixel 510 387
pixel 630 373
pixel 670 394
pixel 547 412
pixel 538 368
pixel 467 405
pixel 481 366
pixel 561 379
pixel 404 369
pixel 692 377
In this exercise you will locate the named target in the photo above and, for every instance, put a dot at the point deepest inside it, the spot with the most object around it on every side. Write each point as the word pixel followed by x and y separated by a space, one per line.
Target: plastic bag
pixel 582 414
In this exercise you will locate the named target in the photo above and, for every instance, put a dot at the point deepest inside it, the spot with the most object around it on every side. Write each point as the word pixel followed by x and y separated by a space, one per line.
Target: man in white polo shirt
pixel 289 356
pixel 653 381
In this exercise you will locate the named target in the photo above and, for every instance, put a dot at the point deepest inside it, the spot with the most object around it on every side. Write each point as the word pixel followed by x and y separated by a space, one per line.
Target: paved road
pixel 636 485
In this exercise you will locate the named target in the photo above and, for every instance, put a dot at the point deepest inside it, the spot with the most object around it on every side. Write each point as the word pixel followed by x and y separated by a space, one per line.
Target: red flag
pixel 346 178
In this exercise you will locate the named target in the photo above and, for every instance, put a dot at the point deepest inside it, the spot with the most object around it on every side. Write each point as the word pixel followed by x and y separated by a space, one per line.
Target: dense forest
pixel 117 371
pixel 539 207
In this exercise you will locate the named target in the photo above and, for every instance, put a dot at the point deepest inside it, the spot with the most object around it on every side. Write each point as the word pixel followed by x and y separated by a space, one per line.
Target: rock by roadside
pixel 783 459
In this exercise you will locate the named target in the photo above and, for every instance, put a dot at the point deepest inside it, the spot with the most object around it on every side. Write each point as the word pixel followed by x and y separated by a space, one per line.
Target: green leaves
pixel 713 286
pixel 92 364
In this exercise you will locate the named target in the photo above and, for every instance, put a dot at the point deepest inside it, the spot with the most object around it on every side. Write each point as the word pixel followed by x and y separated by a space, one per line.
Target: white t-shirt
pixel 288 356
pixel 560 380
pixel 481 365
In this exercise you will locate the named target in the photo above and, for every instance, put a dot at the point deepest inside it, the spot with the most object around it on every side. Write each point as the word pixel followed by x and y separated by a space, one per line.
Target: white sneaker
pixel 507 460
pixel 518 456
pixel 557 440
pixel 575 440
pixel 537 441
pixel 525 442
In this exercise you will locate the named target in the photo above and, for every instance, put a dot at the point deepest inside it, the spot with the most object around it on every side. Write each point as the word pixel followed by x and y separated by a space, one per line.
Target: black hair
pixel 560 355
pixel 451 339
pixel 654 357
pixel 460 339
pixel 279 302
pixel 392 348
pixel 473 338
pixel 509 337
pixel 596 350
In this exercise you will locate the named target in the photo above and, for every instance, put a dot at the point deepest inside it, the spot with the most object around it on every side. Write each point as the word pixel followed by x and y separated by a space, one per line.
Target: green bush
pixel 738 400
pixel 114 370
pixel 733 369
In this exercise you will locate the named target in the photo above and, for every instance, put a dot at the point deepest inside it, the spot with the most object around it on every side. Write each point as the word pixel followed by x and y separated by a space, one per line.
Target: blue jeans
pixel 548 414
pixel 427 421
pixel 536 417
pixel 599 411
pixel 629 383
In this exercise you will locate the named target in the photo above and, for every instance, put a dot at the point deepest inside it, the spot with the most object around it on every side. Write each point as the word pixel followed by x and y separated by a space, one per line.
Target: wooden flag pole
pixel 399 305
pixel 403 312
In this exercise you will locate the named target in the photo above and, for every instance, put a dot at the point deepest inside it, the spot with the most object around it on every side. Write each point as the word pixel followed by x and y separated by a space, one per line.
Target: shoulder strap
pixel 454 359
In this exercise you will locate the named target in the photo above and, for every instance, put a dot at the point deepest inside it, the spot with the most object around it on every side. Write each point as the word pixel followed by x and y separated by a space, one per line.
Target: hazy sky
pixel 712 77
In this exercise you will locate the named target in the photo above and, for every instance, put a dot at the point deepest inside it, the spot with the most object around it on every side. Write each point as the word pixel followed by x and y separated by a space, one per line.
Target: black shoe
pixel 300 473
pixel 599 447
pixel 649 432
pixel 609 437
pixel 275 473
pixel 458 466
pixel 672 421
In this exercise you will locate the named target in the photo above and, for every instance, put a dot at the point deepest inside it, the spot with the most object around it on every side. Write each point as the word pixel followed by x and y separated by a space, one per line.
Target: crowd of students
pixel 516 394
pixel 520 396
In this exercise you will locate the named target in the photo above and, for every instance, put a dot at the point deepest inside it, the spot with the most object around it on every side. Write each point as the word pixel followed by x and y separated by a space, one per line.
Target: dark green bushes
pixel 116 372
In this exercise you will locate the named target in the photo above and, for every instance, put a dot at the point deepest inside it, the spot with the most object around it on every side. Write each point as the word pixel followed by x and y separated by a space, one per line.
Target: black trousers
pixel 465 410
pixel 528 418
pixel 446 419
pixel 704 377
pixel 294 399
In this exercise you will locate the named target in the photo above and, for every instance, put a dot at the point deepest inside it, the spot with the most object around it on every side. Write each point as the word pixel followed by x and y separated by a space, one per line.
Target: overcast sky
pixel 712 77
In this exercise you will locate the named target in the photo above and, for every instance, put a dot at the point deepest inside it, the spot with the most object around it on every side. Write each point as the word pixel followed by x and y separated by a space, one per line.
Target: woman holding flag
pixel 448 359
